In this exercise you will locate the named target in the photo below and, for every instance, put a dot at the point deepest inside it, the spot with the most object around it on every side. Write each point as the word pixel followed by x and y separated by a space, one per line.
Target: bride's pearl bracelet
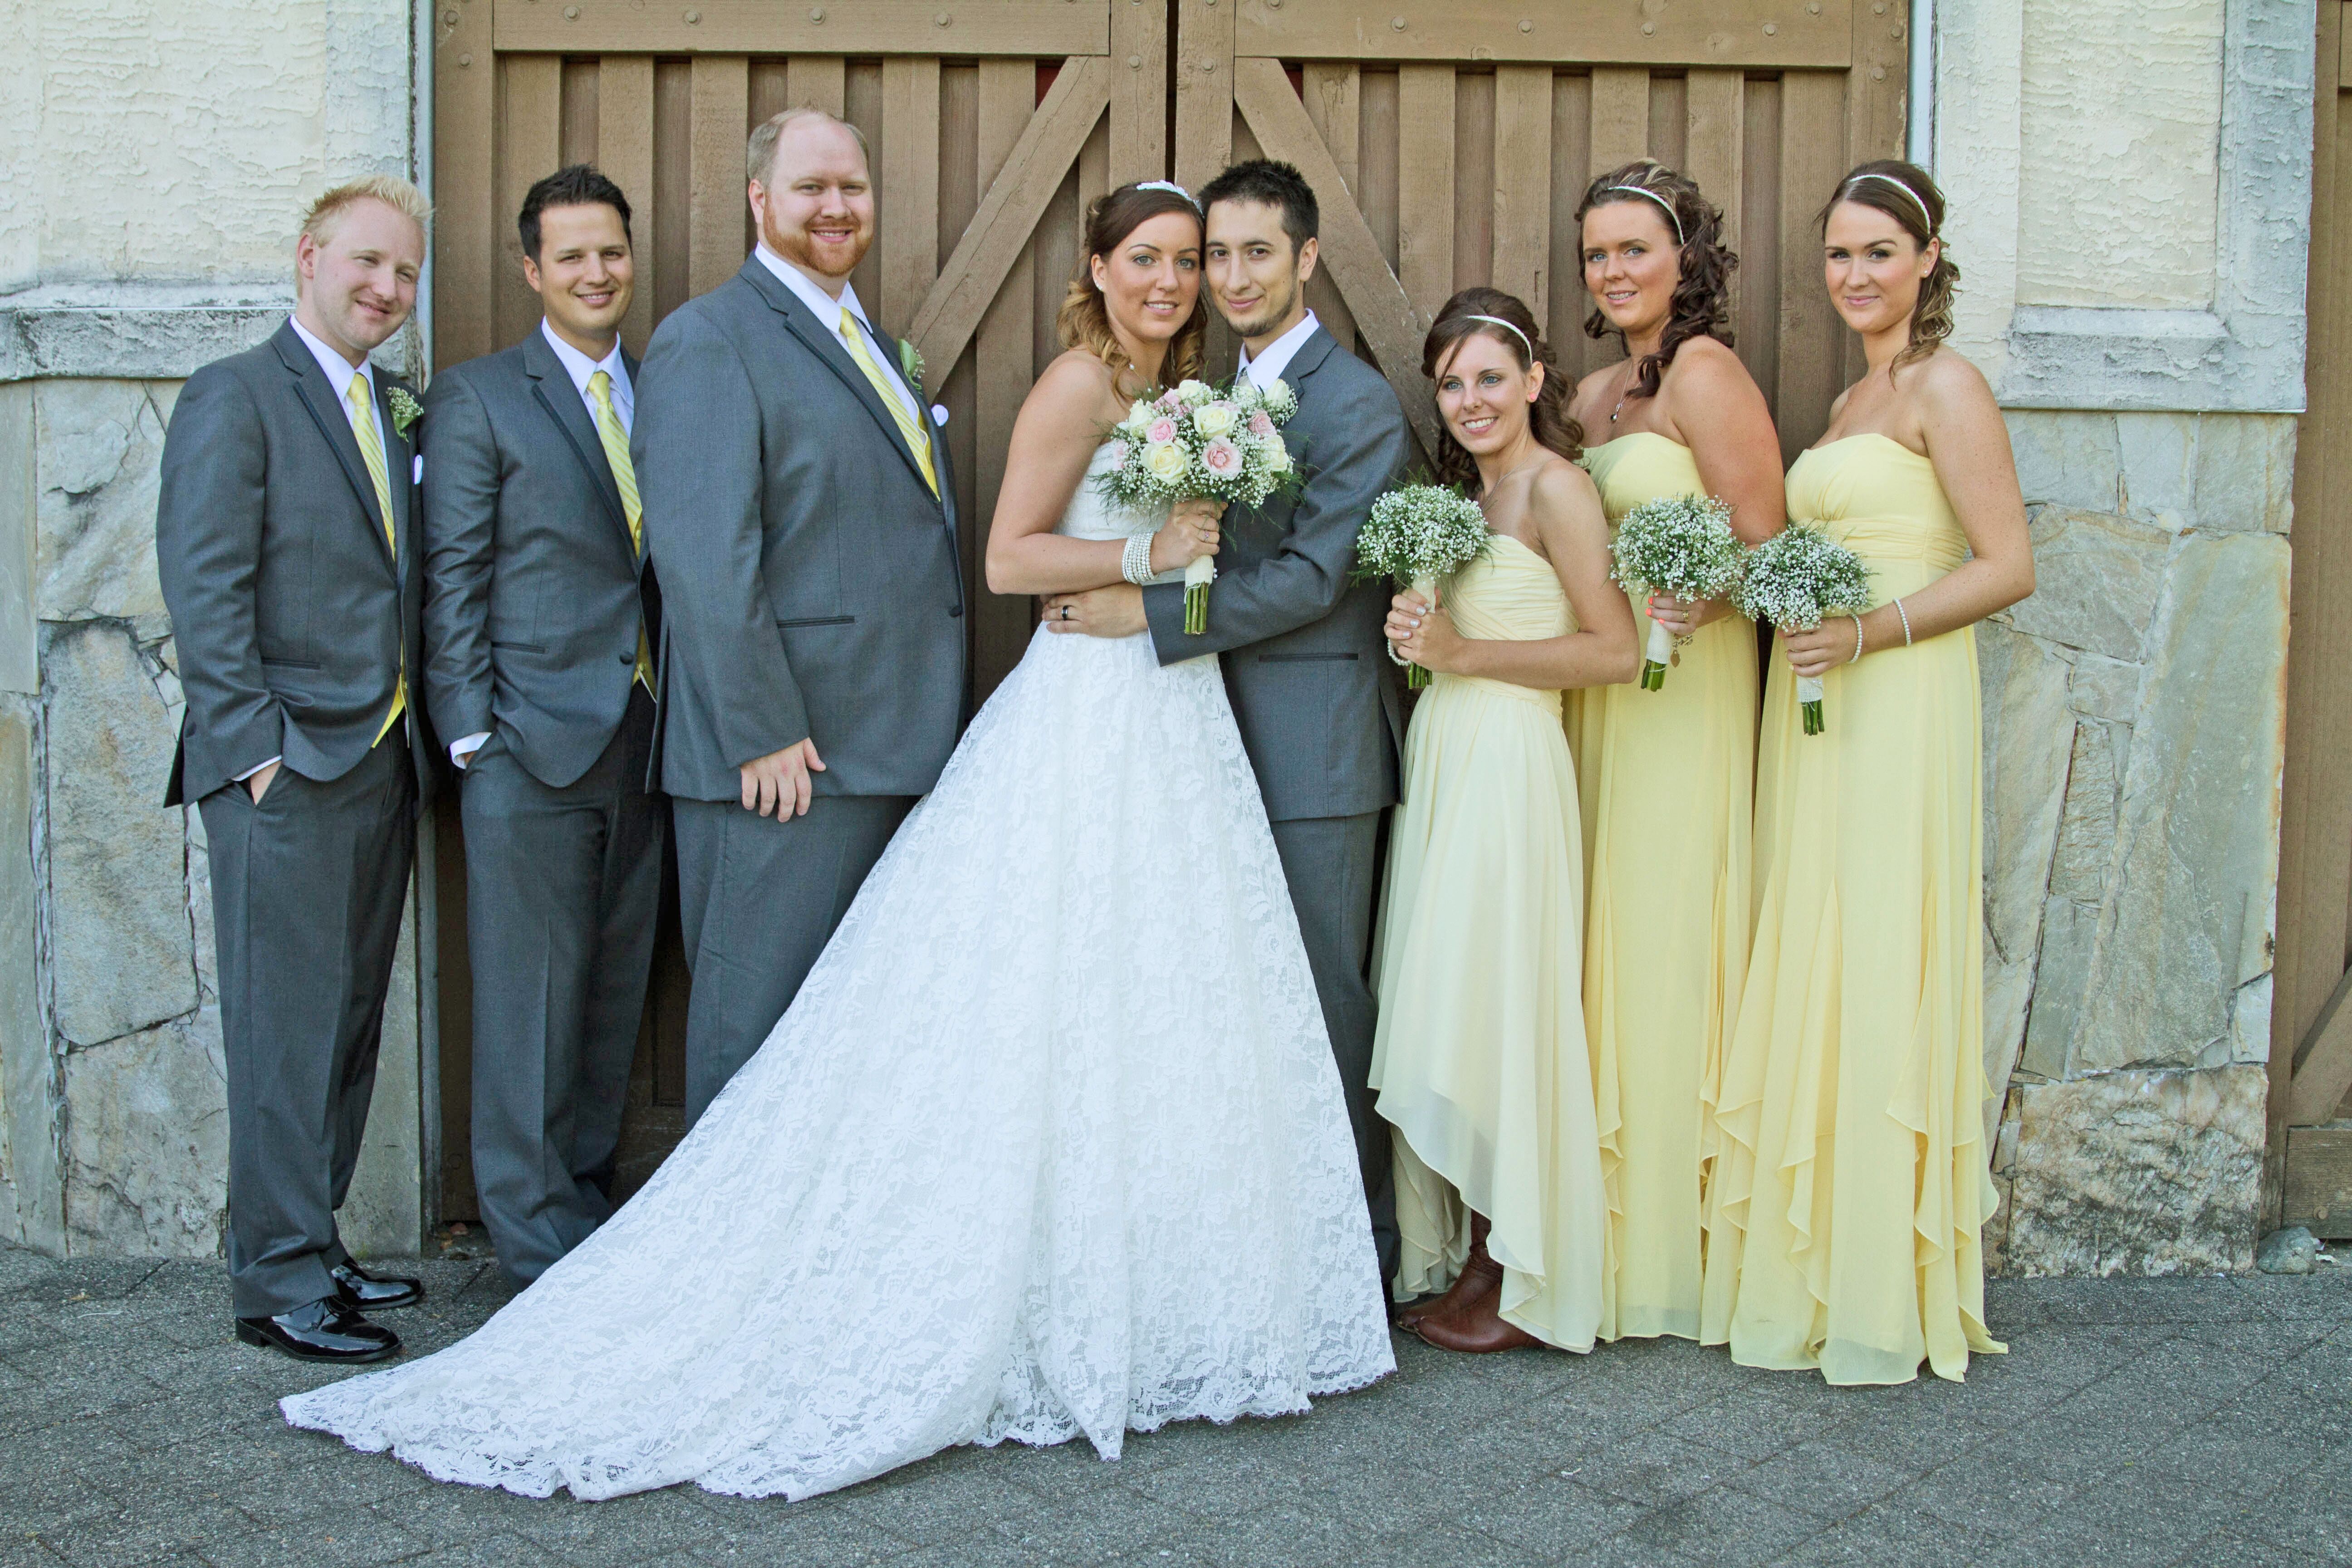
pixel 1135 560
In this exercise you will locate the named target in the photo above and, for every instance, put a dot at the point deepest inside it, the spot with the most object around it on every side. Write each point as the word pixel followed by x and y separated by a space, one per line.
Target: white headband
pixel 1507 326
pixel 1926 217
pixel 1169 185
pixel 1672 216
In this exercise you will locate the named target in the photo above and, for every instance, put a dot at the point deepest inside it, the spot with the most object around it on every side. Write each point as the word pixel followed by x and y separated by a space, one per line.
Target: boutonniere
pixel 910 364
pixel 405 410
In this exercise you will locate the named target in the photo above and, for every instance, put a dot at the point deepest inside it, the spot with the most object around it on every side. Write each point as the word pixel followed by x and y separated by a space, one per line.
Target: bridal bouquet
pixel 1683 547
pixel 1795 580
pixel 1416 535
pixel 1195 440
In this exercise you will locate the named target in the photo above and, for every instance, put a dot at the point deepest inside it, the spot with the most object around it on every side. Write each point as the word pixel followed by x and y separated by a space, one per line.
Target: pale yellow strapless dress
pixel 1666 781
pixel 1480 1061
pixel 1851 1190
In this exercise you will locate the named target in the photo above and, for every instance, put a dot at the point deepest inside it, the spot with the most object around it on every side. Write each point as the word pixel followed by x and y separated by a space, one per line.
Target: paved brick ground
pixel 2193 1422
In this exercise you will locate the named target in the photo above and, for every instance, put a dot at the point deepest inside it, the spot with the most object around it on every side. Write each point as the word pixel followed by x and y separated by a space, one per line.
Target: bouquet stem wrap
pixel 1655 657
pixel 1796 580
pixel 1198 575
pixel 1681 546
pixel 1809 700
pixel 1416 677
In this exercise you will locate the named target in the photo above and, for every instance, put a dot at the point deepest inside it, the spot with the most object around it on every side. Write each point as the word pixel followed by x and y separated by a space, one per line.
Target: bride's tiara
pixel 1168 185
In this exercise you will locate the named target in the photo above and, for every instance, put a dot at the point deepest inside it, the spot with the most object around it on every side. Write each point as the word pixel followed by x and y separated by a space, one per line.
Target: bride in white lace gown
pixel 1051 1142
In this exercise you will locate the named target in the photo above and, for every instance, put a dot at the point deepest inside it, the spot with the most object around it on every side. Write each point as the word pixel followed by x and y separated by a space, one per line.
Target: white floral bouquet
pixel 1683 547
pixel 1195 440
pixel 1796 579
pixel 1416 535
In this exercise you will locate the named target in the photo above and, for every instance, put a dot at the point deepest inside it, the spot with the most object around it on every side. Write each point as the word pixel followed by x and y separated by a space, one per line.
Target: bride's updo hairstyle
pixel 1701 306
pixel 1908 195
pixel 1504 318
pixel 1083 320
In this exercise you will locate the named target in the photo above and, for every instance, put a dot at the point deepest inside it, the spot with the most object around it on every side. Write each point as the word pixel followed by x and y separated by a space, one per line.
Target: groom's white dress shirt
pixel 1267 368
pixel 828 310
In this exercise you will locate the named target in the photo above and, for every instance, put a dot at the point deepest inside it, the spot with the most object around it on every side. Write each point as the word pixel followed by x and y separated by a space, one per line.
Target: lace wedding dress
pixel 1051 1142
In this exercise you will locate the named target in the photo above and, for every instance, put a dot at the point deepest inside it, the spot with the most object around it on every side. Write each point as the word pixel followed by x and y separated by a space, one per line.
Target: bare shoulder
pixel 1559 484
pixel 1077 389
pixel 1948 382
pixel 1705 363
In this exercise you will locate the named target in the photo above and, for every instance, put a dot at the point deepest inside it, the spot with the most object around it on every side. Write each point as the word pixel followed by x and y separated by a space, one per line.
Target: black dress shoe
pixel 326 1330
pixel 356 1288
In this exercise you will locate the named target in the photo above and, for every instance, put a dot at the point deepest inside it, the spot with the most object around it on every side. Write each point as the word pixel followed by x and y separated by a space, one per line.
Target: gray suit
pixel 812 591
pixel 293 622
pixel 1316 699
pixel 534 596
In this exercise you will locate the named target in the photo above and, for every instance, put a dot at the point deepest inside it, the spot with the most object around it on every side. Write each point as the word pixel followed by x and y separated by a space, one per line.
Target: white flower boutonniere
pixel 910 364
pixel 405 410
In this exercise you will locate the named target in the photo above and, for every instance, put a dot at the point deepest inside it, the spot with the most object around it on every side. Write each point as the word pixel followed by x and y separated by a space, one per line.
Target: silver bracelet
pixel 1857 637
pixel 1907 622
pixel 1135 560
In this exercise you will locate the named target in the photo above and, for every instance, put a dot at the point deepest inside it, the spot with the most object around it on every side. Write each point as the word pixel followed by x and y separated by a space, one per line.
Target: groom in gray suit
pixel 537 614
pixel 1305 661
pixel 286 539
pixel 800 508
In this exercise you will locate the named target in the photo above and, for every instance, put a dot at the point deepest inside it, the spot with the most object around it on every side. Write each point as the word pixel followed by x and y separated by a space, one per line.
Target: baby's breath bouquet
pixel 1416 535
pixel 1197 440
pixel 1795 580
pixel 1683 547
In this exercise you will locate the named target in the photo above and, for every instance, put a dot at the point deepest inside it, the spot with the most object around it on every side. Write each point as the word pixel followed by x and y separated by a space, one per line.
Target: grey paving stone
pixel 1655 1466
pixel 340 1540
pixel 1816 1478
pixel 1755 1423
pixel 1723 1526
pixel 1116 1523
pixel 1554 1518
pixel 1895 1533
pixel 2226 1551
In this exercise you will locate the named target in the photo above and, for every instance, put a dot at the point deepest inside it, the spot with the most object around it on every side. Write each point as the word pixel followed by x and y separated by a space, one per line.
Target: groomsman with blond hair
pixel 286 537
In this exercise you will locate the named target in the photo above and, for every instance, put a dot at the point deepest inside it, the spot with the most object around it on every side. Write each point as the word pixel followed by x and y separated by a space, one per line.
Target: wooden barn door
pixel 1450 141
pixel 2311 1024
pixel 991 123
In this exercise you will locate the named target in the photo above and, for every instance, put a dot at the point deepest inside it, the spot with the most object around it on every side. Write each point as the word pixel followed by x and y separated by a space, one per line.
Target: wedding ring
pixel 1065 612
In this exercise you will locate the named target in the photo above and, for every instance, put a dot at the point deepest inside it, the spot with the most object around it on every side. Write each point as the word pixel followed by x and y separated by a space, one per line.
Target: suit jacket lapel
pixel 825 344
pixel 325 404
pixel 399 463
pixel 552 386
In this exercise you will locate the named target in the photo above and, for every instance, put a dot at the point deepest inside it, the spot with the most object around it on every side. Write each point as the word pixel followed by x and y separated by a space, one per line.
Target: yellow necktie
pixel 910 426
pixel 371 442
pixel 616 453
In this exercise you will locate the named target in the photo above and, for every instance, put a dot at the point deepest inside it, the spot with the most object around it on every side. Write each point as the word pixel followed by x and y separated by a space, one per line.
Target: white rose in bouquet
pixel 1165 461
pixel 1216 419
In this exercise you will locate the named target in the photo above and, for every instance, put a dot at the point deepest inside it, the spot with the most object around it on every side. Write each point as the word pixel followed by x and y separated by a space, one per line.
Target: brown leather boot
pixel 1477 1329
pixel 1480 1278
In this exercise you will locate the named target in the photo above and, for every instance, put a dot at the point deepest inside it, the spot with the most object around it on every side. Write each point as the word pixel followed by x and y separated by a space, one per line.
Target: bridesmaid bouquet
pixel 1681 546
pixel 1195 440
pixel 1796 579
pixel 1416 535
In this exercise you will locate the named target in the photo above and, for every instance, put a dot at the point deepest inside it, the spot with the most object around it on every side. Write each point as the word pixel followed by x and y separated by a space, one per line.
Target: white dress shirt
pixel 1267 368
pixel 828 312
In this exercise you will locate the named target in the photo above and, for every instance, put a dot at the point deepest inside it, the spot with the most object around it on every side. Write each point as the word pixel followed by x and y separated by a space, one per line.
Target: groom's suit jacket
pixel 535 591
pixel 811 580
pixel 1305 663
pixel 291 615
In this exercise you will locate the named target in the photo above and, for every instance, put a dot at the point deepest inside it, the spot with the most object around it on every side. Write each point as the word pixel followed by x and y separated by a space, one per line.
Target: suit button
pixel 956 610
pixel 630 657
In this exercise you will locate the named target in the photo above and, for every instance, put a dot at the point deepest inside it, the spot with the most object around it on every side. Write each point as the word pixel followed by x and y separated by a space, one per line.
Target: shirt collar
pixel 333 365
pixel 580 367
pixel 1267 367
pixel 826 309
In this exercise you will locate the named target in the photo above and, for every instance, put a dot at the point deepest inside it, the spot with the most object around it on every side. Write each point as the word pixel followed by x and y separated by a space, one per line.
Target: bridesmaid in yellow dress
pixel 1852 1190
pixel 1665 775
pixel 1480 1061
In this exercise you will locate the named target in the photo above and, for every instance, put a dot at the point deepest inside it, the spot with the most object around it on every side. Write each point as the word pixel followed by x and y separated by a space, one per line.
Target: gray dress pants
pixel 759 897
pixel 563 895
pixel 1332 864
pixel 308 887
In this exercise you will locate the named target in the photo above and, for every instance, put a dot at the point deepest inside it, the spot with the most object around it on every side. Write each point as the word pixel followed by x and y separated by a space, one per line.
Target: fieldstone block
pixel 2290 1251
pixel 2245 472
pixel 2159 467
pixel 2097 580
pixel 2061 980
pixel 2103 687
pixel 147 1143
pixel 99 448
pixel 2086 829
pixel 2139 1173
pixel 2186 921
pixel 2066 458
pixel 2026 725
pixel 29 1092
pixel 122 954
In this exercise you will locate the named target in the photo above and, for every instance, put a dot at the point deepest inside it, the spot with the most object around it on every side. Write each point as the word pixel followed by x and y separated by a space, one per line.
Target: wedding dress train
pixel 1051 1142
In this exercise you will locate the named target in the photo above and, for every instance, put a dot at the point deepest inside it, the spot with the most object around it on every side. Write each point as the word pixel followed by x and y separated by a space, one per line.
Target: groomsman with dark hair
pixel 540 614
pixel 286 539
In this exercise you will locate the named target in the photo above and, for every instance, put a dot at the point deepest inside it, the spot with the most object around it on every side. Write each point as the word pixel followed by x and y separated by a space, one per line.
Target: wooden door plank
pixel 1669 120
pixel 1523 192
pixel 1002 359
pixel 1381 137
pixel 1621 116
pixel 2323 1066
pixel 530 148
pixel 1332 96
pixel 1139 93
pixel 1473 179
pixel 1204 90
pixel 1425 185
pixel 625 151
pixel 1812 337
pixel 577 142
pixel 716 211
pixel 1712 148
pixel 1572 172
pixel 2318 1181
pixel 1813 36
pixel 1032 171
pixel 908 221
pixel 464 226
pixel 1384 311
pixel 965 28
pixel 817 81
pixel 1877 85
pixel 1756 305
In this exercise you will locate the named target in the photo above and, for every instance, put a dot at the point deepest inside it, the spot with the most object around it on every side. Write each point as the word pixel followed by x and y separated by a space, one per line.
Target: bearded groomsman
pixel 804 518
pixel 539 613
pixel 286 538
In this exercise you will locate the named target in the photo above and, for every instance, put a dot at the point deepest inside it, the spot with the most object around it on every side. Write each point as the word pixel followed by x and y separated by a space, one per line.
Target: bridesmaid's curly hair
pixel 1909 194
pixel 1083 320
pixel 1549 416
pixel 1701 306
